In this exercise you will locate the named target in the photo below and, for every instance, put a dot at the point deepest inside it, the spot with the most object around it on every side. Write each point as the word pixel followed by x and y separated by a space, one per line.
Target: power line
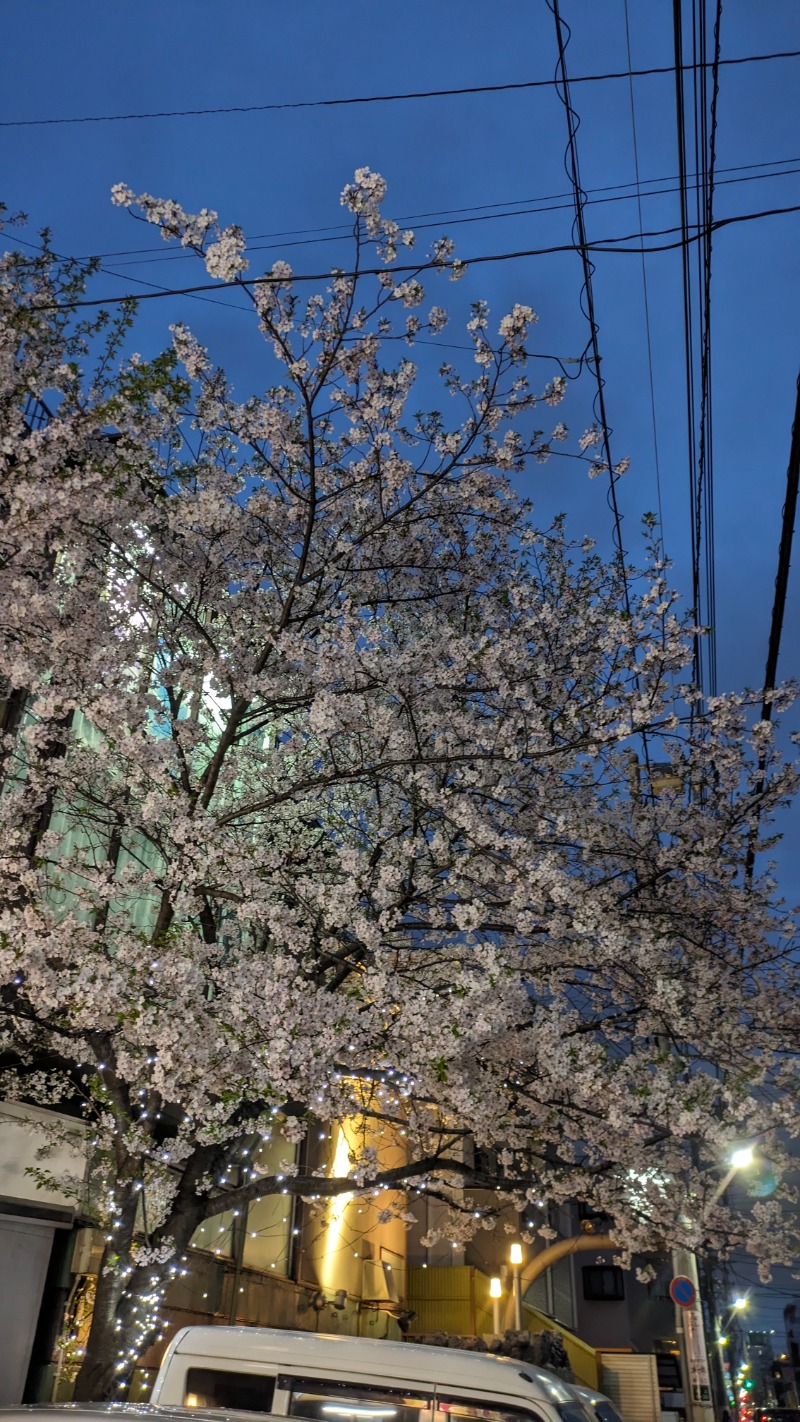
pixel 573 172
pixel 680 109
pixel 140 281
pixel 561 361
pixel 706 445
pixel 704 162
pixel 696 291
pixel 343 233
pixel 644 286
pixel 579 229
pixel 784 560
pixel 607 245
pixel 379 98
pixel 347 227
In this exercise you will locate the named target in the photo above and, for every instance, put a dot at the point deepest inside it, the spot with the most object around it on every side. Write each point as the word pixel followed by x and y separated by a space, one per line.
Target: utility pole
pixel 691 1333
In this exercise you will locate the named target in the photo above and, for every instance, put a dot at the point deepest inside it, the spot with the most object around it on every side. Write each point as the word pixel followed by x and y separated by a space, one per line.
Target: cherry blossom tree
pixel 334 789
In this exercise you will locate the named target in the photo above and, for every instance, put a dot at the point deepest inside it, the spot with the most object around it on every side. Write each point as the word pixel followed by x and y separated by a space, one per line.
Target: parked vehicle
pixel 106 1412
pixel 334 1379
pixel 601 1405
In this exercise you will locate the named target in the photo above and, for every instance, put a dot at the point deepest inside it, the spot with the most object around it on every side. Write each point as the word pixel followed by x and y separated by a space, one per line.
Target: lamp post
pixel 495 1294
pixel 689 1324
pixel 515 1259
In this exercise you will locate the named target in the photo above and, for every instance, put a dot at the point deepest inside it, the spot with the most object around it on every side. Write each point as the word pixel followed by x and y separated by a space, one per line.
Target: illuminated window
pixel 267 1222
pixel 333 1401
pixel 476 1409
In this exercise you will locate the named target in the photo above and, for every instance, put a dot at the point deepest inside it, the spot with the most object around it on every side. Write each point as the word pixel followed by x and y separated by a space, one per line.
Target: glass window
pixel 606 1411
pixel 575 1411
pixel 268 1230
pixel 266 1243
pixel 215 1234
pixel 267 1226
pixel 669 1373
pixel 477 1409
pixel 330 1400
pixel 603 1283
pixel 214 1387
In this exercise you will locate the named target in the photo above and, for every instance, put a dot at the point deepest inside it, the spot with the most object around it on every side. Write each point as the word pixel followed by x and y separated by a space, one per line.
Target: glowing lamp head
pixel 740 1303
pixel 495 1288
pixel 742 1158
pixel 516 1254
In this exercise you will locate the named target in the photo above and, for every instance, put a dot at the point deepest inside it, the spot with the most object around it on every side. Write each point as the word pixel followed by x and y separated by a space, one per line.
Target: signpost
pixel 698 1362
pixel 683 1292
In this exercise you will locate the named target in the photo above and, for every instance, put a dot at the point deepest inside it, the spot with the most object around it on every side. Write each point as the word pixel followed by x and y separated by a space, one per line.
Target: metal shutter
pixel 631 1381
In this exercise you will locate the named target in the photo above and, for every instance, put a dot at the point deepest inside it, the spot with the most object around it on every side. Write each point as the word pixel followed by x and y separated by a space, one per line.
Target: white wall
pixel 23 1132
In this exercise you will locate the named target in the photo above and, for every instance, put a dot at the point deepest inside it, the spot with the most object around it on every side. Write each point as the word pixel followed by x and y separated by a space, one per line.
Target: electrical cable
pixel 680 109
pixel 700 195
pixel 648 336
pixel 140 281
pixel 344 234
pixel 706 444
pixel 572 166
pixel 778 612
pixel 346 227
pixel 562 362
pixel 700 192
pixel 697 317
pixel 607 245
pixel 376 98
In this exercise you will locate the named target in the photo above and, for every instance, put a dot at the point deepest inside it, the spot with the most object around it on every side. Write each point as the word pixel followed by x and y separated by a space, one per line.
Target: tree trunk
pixel 118 1335
pixel 98 1378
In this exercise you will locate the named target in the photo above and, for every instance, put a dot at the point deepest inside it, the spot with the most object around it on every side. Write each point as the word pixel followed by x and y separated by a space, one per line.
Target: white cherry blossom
pixel 333 789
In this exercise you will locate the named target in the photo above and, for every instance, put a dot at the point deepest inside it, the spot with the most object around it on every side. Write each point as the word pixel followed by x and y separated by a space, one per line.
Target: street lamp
pixel 515 1259
pixel 495 1294
pixel 740 1159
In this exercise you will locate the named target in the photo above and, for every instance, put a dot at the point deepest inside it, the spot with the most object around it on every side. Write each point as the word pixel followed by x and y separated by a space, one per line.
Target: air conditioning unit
pixel 87 1252
pixel 379 1282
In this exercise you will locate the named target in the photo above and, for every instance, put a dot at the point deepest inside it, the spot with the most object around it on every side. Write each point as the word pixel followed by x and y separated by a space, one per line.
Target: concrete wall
pixel 644 1317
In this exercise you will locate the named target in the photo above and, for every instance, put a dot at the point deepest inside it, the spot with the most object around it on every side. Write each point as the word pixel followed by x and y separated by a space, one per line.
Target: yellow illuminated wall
pixel 349 1229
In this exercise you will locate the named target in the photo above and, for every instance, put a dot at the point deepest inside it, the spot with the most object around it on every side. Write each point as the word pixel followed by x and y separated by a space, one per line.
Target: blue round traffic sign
pixel 683 1292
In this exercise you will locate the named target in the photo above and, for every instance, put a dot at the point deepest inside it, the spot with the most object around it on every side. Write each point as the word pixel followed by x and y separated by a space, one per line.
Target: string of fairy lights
pixel 145 1308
